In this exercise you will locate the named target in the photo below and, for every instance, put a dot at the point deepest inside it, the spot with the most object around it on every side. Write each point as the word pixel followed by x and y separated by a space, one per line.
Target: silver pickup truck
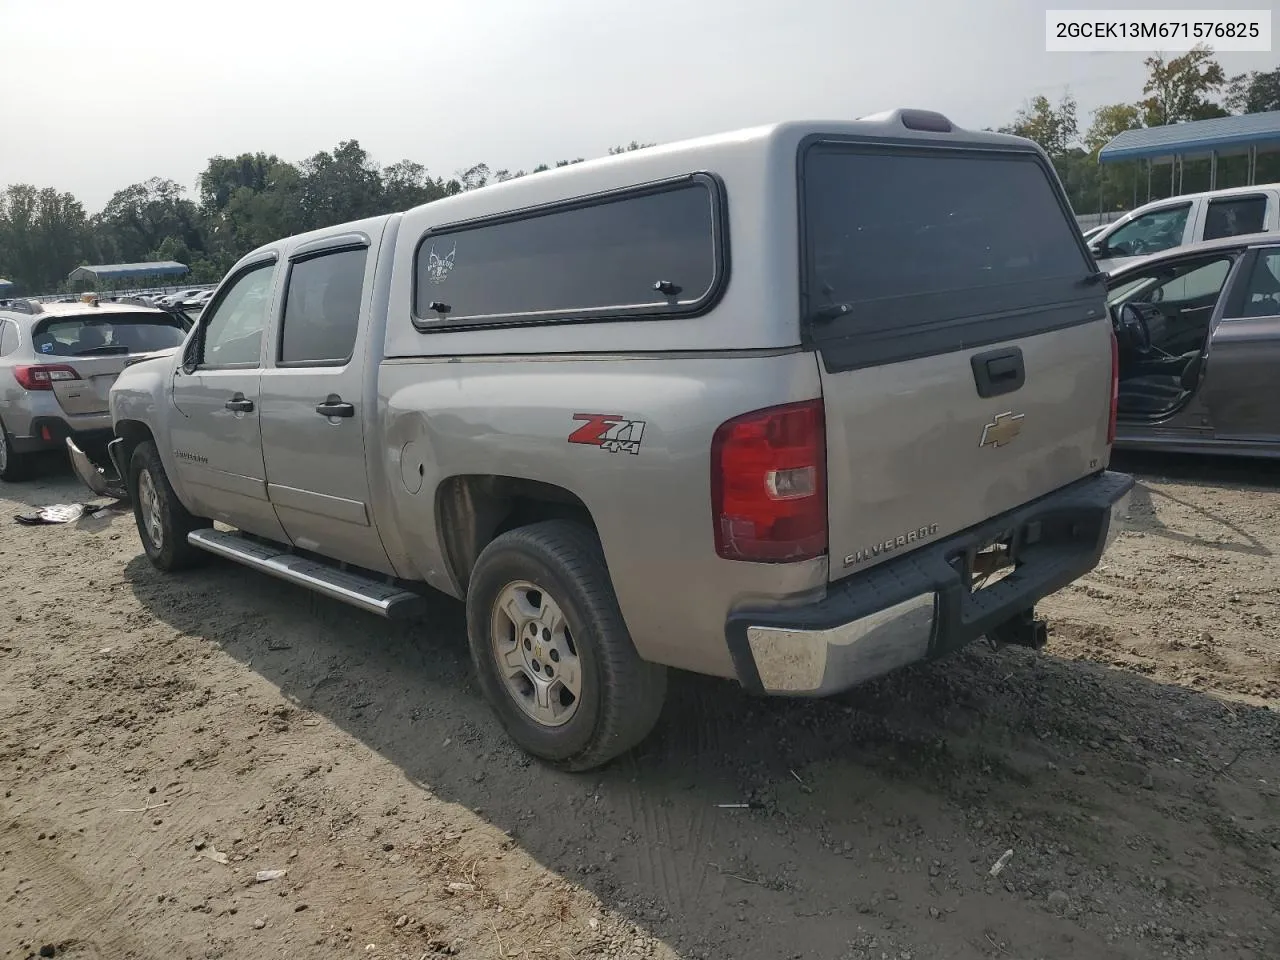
pixel 795 405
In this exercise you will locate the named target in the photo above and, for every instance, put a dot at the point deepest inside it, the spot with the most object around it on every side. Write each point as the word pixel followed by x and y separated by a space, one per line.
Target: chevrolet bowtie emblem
pixel 1001 430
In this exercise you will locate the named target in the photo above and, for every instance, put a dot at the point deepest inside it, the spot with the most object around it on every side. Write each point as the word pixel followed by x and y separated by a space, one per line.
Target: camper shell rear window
pixel 914 251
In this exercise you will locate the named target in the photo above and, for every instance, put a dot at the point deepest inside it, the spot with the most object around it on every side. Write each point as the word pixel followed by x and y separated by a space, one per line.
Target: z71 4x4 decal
pixel 609 431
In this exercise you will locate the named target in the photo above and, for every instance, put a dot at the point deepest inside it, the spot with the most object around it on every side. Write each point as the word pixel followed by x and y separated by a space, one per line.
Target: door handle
pixel 335 406
pixel 239 404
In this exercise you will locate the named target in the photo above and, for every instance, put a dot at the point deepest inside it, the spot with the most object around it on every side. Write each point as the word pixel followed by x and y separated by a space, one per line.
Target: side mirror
pixel 1098 248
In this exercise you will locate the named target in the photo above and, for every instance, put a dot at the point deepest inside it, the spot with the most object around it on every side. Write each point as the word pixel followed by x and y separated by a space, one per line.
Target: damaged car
pixel 57 364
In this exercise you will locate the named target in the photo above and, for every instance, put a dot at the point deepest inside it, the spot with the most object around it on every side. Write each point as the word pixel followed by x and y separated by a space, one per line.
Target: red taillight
pixel 1115 389
pixel 43 377
pixel 769 484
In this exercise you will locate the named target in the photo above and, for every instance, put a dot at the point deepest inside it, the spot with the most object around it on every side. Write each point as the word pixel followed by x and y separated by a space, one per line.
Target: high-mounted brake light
pixel 1115 389
pixel 43 377
pixel 769 484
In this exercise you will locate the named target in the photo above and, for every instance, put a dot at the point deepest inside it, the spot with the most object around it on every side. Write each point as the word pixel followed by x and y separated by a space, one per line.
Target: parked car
pixel 196 303
pixel 173 299
pixel 1199 335
pixel 57 364
pixel 1178 221
pixel 675 408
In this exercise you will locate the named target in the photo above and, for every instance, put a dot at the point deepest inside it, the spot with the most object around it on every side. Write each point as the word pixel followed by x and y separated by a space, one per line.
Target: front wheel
pixel 163 522
pixel 554 658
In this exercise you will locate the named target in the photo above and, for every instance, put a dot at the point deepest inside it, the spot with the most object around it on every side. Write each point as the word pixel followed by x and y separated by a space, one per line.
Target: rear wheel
pixel 13 465
pixel 163 522
pixel 551 650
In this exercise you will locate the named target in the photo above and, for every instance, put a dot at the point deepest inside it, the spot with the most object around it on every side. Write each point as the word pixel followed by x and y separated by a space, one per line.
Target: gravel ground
pixel 163 739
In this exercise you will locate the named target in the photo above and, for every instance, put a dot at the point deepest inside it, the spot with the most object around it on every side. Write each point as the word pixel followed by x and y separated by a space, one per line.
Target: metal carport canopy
pixel 1198 137
pixel 129 271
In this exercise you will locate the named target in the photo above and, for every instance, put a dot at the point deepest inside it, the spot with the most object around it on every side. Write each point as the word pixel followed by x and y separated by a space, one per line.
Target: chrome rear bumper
pixel 921 605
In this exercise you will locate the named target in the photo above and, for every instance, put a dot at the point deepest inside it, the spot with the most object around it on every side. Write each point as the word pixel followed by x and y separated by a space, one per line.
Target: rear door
pixel 313 410
pixel 98 345
pixel 1244 354
pixel 964 346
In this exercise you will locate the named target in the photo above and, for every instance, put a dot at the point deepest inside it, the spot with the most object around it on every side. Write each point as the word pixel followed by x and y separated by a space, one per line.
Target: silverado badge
pixel 1001 430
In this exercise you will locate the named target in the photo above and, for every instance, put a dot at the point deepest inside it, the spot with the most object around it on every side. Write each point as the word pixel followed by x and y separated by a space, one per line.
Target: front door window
pixel 1150 233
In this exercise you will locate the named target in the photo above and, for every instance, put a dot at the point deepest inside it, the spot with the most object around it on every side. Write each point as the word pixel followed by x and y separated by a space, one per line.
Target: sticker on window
pixel 438 267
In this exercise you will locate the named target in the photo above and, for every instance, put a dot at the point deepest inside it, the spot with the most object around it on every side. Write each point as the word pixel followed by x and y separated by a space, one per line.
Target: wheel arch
pixel 472 509
pixel 133 433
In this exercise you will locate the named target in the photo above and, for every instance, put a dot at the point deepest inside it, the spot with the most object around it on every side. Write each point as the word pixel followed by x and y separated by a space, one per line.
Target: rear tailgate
pixel 90 390
pixel 87 352
pixel 965 349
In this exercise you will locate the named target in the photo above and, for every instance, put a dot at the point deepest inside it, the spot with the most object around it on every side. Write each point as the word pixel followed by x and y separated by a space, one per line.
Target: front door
pixel 216 438
pixel 1244 355
pixel 314 414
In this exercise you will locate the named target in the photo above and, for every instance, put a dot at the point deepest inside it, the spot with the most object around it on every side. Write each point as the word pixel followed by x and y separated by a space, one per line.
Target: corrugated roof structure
pixel 129 271
pixel 1198 137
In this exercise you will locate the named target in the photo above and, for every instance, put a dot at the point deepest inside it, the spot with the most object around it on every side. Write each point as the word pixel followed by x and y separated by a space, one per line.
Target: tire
pixel 163 522
pixel 13 466
pixel 618 696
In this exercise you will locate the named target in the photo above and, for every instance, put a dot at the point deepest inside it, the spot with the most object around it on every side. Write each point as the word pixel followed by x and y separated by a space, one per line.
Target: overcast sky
pixel 98 94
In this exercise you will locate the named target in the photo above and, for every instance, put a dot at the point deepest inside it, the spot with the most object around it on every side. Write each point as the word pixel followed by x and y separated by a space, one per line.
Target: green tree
pixel 44 235
pixel 1255 92
pixel 1180 89
pixel 137 219
pixel 225 175
pixel 339 186
pixel 475 177
pixel 1053 127
pixel 406 184
pixel 1109 122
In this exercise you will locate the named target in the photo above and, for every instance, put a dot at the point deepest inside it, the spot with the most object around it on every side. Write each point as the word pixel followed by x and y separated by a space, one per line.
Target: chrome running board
pixel 384 599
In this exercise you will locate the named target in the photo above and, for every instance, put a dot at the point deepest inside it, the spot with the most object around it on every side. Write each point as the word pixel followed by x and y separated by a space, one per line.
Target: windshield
pixel 108 333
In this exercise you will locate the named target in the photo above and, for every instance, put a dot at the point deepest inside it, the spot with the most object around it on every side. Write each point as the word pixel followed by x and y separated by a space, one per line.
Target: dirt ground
pixel 163 739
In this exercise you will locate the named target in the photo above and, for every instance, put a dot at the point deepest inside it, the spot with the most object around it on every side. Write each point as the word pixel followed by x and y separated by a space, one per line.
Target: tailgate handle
pixel 997 372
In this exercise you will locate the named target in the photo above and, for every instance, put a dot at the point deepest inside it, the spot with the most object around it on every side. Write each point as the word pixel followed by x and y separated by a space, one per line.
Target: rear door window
pixel 1235 216
pixel 106 334
pixel 322 308
pixel 1261 291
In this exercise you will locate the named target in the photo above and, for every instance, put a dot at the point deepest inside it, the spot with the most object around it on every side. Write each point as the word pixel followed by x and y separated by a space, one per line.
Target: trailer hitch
pixel 1020 630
